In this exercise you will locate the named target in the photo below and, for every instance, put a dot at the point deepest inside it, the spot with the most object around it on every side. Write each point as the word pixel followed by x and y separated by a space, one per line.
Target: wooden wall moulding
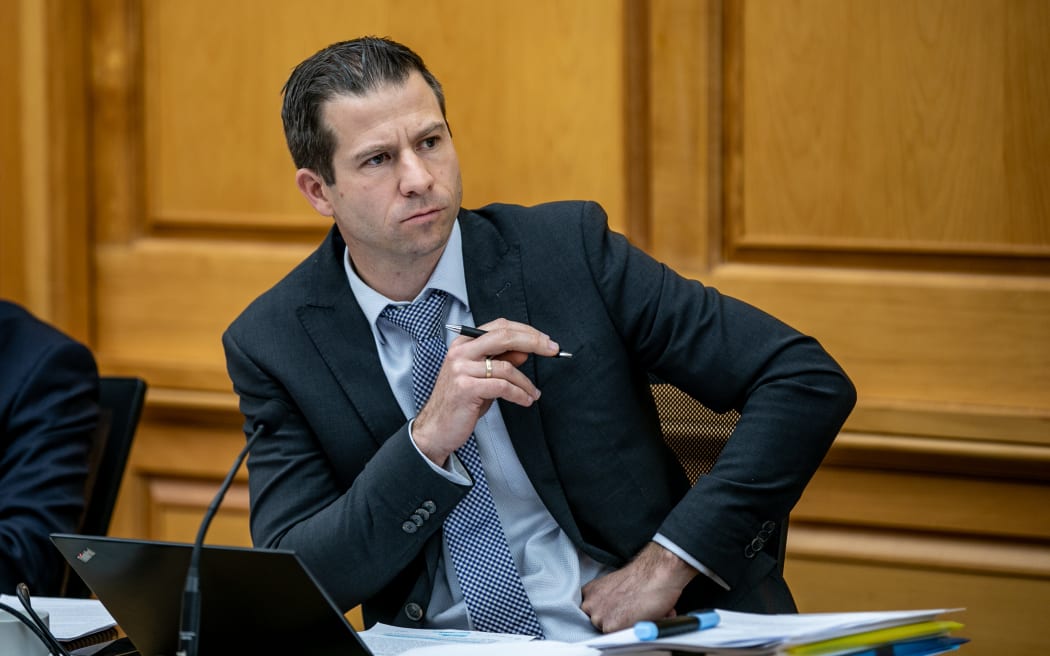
pixel 949 504
pixel 935 341
pixel 183 450
pixel 941 455
pixel 44 175
pixel 116 93
pixel 842 149
pixel 215 160
pixel 1002 614
pixel 684 221
pixel 14 282
pixel 925 551
pixel 176 506
pixel 195 207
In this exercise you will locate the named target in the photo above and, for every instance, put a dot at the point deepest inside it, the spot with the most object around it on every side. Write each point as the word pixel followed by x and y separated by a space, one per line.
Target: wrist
pixel 666 565
pixel 418 434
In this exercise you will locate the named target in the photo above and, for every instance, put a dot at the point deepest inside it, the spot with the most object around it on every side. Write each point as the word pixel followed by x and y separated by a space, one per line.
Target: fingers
pixel 490 378
pixel 508 340
pixel 508 382
pixel 477 371
pixel 468 382
pixel 647 588
pixel 487 366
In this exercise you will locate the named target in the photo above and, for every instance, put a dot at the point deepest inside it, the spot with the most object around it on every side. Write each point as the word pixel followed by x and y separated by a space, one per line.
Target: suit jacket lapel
pixel 334 321
pixel 495 284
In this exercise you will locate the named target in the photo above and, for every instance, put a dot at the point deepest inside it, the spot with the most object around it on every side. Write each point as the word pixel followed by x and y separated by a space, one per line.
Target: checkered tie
pixel 492 588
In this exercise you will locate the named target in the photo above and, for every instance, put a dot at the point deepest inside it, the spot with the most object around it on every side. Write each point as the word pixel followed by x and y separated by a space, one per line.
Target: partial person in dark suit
pixel 48 414
pixel 602 523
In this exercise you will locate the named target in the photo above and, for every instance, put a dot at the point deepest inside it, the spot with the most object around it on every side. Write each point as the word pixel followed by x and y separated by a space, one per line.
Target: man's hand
pixel 466 385
pixel 647 588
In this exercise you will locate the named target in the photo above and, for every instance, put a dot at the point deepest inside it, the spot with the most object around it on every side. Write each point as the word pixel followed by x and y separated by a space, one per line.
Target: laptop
pixel 253 601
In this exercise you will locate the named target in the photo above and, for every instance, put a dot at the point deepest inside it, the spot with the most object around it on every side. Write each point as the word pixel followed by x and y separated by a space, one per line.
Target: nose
pixel 415 175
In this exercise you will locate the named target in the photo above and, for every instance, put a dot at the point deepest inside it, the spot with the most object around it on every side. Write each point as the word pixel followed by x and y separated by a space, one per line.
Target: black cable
pixel 28 622
pixel 22 590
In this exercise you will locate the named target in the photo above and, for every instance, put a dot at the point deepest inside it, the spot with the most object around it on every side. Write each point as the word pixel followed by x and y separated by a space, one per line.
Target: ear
pixel 314 189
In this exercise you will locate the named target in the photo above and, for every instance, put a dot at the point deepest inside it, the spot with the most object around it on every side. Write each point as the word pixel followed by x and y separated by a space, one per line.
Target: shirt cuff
pixel 454 471
pixel 676 550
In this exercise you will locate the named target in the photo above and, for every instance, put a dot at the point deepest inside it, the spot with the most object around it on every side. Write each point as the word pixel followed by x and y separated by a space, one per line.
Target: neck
pixel 395 281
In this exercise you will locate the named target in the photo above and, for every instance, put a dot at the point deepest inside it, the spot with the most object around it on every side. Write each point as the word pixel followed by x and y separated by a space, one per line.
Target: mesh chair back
pixel 696 435
pixel 694 432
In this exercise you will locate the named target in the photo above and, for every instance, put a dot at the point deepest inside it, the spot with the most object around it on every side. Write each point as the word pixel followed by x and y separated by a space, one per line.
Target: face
pixel 397 184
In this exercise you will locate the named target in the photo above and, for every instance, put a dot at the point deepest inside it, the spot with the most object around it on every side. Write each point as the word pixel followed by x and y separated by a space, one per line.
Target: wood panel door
pixel 196 210
pixel 878 175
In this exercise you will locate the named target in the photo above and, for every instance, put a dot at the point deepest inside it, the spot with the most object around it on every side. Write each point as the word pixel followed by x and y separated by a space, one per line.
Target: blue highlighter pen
pixel 698 620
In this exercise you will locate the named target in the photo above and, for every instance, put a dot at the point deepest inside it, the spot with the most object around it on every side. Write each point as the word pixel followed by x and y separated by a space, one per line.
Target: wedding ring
pixel 488 367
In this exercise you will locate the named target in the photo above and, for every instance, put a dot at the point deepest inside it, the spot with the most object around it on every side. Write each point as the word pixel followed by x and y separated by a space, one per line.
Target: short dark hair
pixel 353 67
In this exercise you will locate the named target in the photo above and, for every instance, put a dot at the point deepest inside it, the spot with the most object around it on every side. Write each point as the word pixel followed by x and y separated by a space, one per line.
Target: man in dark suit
pixel 48 414
pixel 599 518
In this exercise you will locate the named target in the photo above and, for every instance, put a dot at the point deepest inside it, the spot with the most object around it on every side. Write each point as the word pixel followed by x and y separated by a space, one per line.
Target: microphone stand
pixel 269 420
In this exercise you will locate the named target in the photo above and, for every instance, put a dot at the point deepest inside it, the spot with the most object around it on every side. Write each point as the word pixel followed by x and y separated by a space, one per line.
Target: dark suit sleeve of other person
pixel 48 416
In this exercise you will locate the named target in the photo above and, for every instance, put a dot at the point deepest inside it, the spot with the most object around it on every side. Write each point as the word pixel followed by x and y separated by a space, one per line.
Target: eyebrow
pixel 436 125
pixel 382 147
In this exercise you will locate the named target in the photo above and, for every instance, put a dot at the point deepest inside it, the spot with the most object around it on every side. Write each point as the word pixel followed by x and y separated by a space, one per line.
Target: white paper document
pixel 532 648
pixel 69 618
pixel 763 634
pixel 386 640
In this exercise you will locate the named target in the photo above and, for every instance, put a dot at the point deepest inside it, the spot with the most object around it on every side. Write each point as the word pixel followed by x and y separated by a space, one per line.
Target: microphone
pixel 269 419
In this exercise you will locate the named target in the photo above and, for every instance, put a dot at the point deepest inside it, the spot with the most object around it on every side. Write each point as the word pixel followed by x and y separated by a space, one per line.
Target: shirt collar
pixel 448 276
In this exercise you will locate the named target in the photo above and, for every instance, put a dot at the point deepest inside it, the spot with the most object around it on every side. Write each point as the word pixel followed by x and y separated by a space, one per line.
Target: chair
pixel 120 401
pixel 696 435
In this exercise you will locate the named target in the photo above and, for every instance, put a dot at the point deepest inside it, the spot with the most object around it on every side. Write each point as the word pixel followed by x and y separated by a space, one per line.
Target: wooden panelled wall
pixel 876 173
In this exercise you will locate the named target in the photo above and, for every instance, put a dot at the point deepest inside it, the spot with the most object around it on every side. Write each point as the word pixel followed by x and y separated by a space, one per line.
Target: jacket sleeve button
pixel 413 611
pixel 409 527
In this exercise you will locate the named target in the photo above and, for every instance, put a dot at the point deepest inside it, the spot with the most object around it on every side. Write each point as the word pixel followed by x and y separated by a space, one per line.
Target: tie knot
pixel 420 319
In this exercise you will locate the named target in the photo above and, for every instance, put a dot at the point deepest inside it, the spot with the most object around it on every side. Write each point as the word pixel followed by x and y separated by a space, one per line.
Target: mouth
pixel 423 215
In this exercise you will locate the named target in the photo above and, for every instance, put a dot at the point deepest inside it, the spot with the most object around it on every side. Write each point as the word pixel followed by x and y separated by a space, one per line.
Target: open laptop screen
pixel 253 601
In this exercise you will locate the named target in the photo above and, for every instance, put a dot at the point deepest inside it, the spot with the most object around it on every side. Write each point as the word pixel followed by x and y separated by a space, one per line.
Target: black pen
pixel 695 621
pixel 471 331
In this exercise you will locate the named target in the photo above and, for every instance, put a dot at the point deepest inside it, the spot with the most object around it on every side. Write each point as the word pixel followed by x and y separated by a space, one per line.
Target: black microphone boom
pixel 269 419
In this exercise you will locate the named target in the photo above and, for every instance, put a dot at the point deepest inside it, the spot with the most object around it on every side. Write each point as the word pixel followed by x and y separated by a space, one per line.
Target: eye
pixel 376 160
pixel 430 143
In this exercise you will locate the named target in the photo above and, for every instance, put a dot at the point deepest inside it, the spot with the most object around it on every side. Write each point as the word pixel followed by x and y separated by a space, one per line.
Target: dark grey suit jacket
pixel 340 479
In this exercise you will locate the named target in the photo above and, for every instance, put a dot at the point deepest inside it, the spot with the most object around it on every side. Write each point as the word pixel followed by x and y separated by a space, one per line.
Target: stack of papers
pixel 385 640
pixel 82 626
pixel 919 633
pixel 892 633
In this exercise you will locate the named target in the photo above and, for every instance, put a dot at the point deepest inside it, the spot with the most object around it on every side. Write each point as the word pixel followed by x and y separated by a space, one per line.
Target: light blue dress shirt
pixel 553 570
